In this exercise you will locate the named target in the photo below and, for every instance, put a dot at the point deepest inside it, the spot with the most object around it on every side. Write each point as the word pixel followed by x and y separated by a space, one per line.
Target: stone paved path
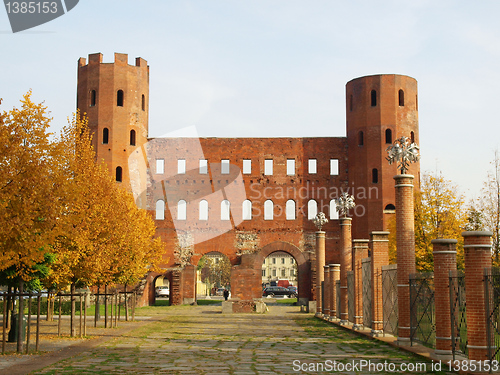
pixel 201 340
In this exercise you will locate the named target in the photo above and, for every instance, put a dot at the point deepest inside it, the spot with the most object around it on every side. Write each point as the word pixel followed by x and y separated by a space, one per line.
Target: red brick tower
pixel 379 109
pixel 115 98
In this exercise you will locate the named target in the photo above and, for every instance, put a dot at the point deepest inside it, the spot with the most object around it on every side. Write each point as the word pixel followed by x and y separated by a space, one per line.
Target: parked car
pixel 162 291
pixel 278 291
pixel 293 289
pixel 220 291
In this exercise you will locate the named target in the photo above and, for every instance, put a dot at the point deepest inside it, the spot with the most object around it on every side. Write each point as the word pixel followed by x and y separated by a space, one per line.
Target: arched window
pixel 388 136
pixel 334 214
pixel 247 210
pixel 390 207
pixel 119 98
pixel 105 136
pixel 401 98
pixel 350 103
pixel 93 97
pixel 160 210
pixel 412 137
pixel 290 209
pixel 312 209
pixel 143 102
pixel 373 98
pixel 181 210
pixel 268 210
pixel 375 175
pixel 203 210
pixel 361 139
pixel 132 137
pixel 119 174
pixel 225 209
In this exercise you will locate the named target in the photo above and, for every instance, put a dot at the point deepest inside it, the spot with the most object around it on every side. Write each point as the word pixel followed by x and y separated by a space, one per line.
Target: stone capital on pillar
pixel 477 255
pixel 445 260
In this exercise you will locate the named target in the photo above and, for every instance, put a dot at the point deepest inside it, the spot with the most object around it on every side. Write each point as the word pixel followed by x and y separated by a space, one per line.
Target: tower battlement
pixel 120 59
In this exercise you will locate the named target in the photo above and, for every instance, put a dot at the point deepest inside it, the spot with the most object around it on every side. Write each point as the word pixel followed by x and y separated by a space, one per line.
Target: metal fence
pixel 422 309
pixel 351 295
pixel 366 269
pixel 458 315
pixel 390 298
pixel 492 304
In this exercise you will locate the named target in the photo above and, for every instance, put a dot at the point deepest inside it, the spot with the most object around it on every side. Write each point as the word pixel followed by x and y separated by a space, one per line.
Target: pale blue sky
pixel 279 67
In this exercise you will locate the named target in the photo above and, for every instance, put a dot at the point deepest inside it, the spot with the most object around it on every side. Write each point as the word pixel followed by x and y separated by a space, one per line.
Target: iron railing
pixel 458 315
pixel 492 305
pixel 422 309
pixel 366 270
pixel 351 295
pixel 390 298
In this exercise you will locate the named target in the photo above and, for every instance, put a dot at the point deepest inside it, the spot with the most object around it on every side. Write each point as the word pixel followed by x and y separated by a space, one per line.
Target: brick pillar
pixel 359 252
pixel 477 249
pixel 335 276
pixel 326 291
pixel 345 265
pixel 320 264
pixel 189 284
pixel 445 260
pixel 380 257
pixel 405 242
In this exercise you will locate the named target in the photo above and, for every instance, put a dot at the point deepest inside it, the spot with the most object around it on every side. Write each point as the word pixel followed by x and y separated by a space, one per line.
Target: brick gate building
pixel 247 197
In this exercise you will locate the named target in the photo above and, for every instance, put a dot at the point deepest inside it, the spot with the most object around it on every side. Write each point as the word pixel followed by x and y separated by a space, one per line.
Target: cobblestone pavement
pixel 201 340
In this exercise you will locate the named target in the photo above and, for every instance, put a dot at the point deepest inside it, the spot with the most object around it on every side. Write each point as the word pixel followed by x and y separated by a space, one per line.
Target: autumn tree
pixel 29 203
pixel 489 206
pixel 439 213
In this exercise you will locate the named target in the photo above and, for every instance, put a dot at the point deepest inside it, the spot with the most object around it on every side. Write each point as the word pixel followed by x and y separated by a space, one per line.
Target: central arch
pixel 303 266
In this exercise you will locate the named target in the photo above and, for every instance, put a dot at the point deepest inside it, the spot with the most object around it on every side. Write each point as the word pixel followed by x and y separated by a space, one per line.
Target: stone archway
pixel 246 278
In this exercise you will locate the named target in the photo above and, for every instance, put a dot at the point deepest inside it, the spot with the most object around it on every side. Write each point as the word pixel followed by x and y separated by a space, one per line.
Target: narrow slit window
pixel 361 139
pixel 119 174
pixel 132 137
pixel 143 102
pixel 412 137
pixel 119 98
pixel 373 98
pixel 375 175
pixel 388 136
pixel 93 97
pixel 401 98
pixel 105 136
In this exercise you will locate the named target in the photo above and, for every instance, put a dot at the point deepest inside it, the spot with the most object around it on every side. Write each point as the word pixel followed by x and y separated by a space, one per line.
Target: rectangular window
pixel 181 166
pixel 247 166
pixel 224 166
pixel 283 272
pixel 312 166
pixel 263 273
pixel 268 167
pixel 290 167
pixel 282 260
pixel 274 260
pixel 274 273
pixel 203 166
pixel 334 167
pixel 160 166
